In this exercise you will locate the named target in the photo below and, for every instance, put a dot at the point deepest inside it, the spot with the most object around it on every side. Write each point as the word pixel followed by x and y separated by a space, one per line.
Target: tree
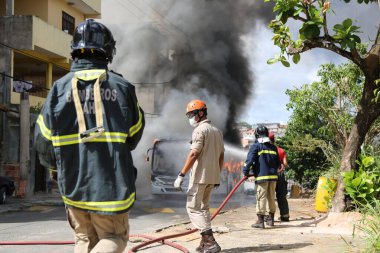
pixel 344 41
pixel 326 109
pixel 318 128
pixel 306 159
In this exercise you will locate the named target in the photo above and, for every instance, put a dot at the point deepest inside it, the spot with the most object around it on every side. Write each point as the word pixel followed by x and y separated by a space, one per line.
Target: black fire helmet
pixel 91 37
pixel 261 131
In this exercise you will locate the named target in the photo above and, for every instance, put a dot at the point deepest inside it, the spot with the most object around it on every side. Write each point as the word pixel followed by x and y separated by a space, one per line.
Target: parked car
pixel 7 187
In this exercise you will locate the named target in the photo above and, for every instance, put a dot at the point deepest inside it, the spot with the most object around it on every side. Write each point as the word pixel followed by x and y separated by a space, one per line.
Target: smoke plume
pixel 191 46
pixel 179 50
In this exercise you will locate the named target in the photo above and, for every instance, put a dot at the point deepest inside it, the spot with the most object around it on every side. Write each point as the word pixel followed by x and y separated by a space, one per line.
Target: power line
pixel 138 8
pixel 126 8
pixel 20 80
pixel 16 79
pixel 22 52
pixel 169 24
pixel 5 45
pixel 163 17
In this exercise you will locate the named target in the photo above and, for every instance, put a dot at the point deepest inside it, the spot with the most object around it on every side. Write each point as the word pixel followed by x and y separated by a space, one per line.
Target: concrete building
pixel 247 134
pixel 35 36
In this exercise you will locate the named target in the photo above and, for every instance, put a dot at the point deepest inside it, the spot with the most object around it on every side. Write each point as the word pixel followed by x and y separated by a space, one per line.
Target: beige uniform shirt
pixel 208 141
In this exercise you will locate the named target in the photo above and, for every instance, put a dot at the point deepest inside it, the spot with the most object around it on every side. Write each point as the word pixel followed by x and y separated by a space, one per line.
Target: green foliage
pixel 363 185
pixel 345 34
pixel 326 109
pixel 370 225
pixel 322 116
pixel 312 31
pixel 377 92
pixel 36 109
pixel 330 187
pixel 306 160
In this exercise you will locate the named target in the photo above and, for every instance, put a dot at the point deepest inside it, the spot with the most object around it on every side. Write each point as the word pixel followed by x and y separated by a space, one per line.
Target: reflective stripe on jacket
pixel 263 160
pixel 97 174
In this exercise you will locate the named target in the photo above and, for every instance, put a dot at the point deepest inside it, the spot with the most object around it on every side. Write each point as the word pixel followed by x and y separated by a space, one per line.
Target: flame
pixel 233 169
pixel 233 166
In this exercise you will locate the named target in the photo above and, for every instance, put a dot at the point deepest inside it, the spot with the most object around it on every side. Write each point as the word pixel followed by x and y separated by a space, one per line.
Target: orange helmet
pixel 196 105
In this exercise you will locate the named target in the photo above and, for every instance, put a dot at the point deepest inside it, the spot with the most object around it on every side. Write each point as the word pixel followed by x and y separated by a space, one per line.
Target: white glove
pixel 178 182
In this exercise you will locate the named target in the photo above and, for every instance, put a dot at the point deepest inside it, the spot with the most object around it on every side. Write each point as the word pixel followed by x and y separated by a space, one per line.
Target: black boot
pixel 201 244
pixel 209 245
pixel 200 247
pixel 270 221
pixel 266 217
pixel 260 222
pixel 284 217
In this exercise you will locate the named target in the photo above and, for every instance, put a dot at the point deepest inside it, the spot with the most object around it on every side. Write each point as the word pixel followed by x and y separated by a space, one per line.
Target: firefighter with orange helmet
pixel 205 160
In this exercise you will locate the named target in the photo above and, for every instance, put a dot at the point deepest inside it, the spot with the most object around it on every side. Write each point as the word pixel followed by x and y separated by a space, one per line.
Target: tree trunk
pixel 368 112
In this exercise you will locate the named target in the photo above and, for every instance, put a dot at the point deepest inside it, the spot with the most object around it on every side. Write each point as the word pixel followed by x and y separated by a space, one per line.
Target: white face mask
pixel 192 122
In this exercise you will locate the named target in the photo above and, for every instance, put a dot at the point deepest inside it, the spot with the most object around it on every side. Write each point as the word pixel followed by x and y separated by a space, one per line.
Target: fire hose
pixel 163 239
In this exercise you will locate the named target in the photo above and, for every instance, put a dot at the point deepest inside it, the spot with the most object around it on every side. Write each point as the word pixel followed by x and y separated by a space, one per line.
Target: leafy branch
pixel 313 19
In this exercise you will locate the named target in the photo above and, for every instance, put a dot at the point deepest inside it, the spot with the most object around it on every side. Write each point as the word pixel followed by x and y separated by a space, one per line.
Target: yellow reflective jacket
pixel 95 175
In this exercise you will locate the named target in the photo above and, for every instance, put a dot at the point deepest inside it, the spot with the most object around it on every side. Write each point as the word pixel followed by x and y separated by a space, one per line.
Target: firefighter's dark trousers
pixel 281 192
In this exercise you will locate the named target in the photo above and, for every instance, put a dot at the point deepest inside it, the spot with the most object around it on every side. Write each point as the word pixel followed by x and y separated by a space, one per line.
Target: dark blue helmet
pixel 91 37
pixel 261 131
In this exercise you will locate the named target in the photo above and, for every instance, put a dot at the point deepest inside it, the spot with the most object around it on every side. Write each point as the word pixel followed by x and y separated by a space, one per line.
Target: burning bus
pixel 167 156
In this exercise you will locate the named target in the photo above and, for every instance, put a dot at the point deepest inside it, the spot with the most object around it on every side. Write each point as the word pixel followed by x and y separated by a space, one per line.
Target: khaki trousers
pixel 198 204
pixel 98 233
pixel 265 195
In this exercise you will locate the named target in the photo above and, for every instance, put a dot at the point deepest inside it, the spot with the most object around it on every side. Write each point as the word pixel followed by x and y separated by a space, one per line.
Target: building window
pixel 68 23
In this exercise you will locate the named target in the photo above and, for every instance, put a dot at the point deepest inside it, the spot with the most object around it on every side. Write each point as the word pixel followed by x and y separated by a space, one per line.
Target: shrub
pixel 370 225
pixel 363 185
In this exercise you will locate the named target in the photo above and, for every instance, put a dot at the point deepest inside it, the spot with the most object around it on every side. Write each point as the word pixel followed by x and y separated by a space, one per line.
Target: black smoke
pixel 205 45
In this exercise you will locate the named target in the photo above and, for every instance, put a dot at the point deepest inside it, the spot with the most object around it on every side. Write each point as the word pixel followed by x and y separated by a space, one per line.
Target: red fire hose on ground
pixel 163 239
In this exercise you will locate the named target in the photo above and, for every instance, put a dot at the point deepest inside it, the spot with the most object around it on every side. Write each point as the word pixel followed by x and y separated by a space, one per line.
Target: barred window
pixel 68 23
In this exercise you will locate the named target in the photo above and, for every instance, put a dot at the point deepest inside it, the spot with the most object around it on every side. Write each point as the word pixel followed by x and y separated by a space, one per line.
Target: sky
pixel 268 101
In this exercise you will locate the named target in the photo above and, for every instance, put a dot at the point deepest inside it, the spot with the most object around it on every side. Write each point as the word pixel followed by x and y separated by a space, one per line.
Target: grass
pixel 370 225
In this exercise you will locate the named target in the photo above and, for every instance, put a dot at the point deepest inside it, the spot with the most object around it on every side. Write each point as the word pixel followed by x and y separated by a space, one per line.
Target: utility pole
pixel 24 142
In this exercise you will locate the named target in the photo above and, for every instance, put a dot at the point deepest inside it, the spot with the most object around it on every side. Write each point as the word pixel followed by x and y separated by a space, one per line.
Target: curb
pixel 22 204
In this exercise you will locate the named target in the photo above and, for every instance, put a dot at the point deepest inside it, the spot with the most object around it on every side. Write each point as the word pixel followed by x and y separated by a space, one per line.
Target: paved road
pixel 49 222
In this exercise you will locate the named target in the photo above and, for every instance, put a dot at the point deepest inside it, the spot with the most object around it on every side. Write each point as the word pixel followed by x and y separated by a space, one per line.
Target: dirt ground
pixel 308 232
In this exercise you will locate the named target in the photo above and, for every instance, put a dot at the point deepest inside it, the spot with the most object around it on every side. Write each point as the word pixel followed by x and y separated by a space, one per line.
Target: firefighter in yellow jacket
pixel 87 128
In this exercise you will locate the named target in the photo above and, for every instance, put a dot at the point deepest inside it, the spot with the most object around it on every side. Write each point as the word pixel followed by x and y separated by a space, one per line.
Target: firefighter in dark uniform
pixel 264 161
pixel 90 123
pixel 282 183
